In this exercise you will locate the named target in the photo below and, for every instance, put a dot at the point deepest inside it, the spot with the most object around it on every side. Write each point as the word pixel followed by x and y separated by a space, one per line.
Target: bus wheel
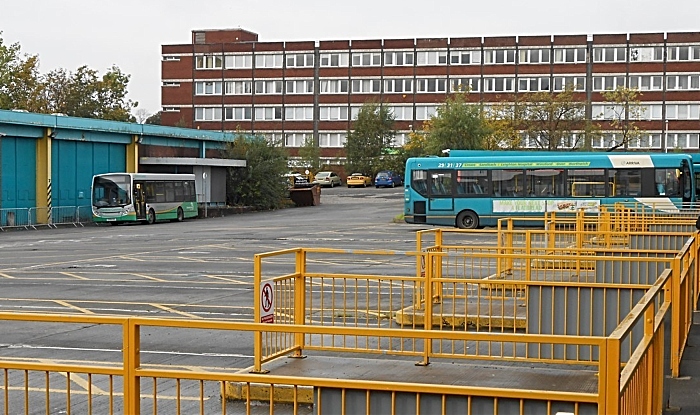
pixel 467 220
pixel 151 217
pixel 180 215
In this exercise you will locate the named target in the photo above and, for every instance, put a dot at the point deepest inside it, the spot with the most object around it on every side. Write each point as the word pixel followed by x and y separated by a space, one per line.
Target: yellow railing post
pixel 675 317
pixel 257 335
pixel 428 314
pixel 612 377
pixel 131 341
pixel 300 300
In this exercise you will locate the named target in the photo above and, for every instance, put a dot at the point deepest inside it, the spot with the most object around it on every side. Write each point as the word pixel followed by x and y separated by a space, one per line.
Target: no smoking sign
pixel 267 304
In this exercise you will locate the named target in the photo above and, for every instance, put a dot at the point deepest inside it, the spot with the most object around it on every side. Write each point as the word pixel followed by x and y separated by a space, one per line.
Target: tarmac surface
pixel 685 390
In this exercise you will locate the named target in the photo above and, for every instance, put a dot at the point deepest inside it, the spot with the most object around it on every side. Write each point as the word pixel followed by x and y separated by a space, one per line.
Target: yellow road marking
pixel 168 309
pixel 148 277
pixel 69 305
pixel 70 274
pixel 2 274
pixel 131 258
pixel 103 393
pixel 216 277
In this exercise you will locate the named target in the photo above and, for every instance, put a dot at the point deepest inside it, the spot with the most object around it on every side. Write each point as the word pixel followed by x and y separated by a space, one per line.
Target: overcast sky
pixel 129 33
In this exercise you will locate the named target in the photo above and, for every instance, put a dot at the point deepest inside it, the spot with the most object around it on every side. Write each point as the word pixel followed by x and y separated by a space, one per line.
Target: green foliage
pixel 370 138
pixel 624 105
pixel 154 119
pixel 260 184
pixel 81 94
pixel 550 119
pixel 456 125
pixel 310 155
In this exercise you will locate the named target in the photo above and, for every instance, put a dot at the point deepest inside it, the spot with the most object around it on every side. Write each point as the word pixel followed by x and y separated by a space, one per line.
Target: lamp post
pixel 204 179
pixel 666 136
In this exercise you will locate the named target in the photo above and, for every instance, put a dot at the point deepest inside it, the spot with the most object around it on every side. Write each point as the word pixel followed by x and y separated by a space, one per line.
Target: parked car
pixel 327 178
pixel 359 180
pixel 388 178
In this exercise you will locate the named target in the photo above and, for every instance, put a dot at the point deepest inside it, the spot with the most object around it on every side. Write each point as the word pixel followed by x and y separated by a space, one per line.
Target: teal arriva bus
pixel 143 197
pixel 472 189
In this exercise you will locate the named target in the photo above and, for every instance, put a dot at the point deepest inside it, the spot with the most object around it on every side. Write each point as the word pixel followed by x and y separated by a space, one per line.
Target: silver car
pixel 327 178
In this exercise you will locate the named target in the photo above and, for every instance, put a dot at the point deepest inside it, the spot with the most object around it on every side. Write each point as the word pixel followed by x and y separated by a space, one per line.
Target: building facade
pixel 227 80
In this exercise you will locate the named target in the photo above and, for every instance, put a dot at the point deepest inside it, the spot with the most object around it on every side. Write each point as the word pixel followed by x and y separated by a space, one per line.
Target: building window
pixel 207 88
pixel 569 55
pixel 239 87
pixel 534 56
pixel 208 62
pixel 683 53
pixel 497 56
pixel 268 60
pixel 431 57
pixel 366 59
pixel 425 112
pixel 608 83
pixel 647 54
pixel 398 58
pixel 499 84
pixel 402 113
pixel 465 57
pixel 171 84
pixel 300 60
pixel 646 82
pixel 268 87
pixel 464 84
pixel 238 113
pixel 300 86
pixel 610 54
pixel 398 85
pixel 333 113
pixel 298 113
pixel 682 82
pixel 334 59
pixel 431 85
pixel 238 61
pixel 171 58
pixel 268 113
pixel 334 86
pixel 561 82
pixel 682 111
pixel 171 109
pixel 535 84
pixel 207 114
pixel 297 139
pixel 366 85
pixel 332 139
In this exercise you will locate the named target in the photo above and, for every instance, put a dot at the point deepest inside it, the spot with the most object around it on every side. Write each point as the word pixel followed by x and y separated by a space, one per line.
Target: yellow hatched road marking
pixel 2 274
pixel 148 277
pixel 69 305
pixel 78 380
pixel 171 310
pixel 70 274
pixel 216 277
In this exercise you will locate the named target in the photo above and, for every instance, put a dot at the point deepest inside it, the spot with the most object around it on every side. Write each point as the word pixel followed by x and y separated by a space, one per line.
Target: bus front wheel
pixel 180 215
pixel 151 217
pixel 467 220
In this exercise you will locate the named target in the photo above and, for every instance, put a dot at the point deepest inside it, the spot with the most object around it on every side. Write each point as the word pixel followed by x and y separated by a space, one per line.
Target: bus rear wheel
pixel 467 220
pixel 151 219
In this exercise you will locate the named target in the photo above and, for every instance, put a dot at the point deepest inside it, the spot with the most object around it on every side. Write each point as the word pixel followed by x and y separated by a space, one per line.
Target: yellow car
pixel 359 180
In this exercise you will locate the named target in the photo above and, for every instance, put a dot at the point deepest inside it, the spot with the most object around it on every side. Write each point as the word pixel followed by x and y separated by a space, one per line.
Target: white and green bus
pixel 143 197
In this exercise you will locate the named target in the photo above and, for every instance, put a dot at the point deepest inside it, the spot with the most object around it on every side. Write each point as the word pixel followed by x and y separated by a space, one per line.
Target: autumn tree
pixel 457 124
pixel 83 93
pixel 154 119
pixel 505 120
pixel 623 108
pixel 370 138
pixel 551 119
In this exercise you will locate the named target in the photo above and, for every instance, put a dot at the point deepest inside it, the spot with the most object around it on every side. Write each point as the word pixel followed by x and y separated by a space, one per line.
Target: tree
pixel 624 108
pixel 550 119
pixel 19 78
pixel 141 115
pixel 456 125
pixel 310 154
pixel 82 93
pixel 370 138
pixel 154 119
pixel 260 184
pixel 505 120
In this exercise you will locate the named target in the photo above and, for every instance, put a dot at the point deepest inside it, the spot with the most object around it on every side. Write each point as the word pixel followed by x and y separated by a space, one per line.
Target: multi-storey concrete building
pixel 228 80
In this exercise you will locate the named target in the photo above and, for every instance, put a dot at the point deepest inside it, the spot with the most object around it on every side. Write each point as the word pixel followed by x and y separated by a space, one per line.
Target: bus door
pixel 139 201
pixel 686 184
pixel 440 191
